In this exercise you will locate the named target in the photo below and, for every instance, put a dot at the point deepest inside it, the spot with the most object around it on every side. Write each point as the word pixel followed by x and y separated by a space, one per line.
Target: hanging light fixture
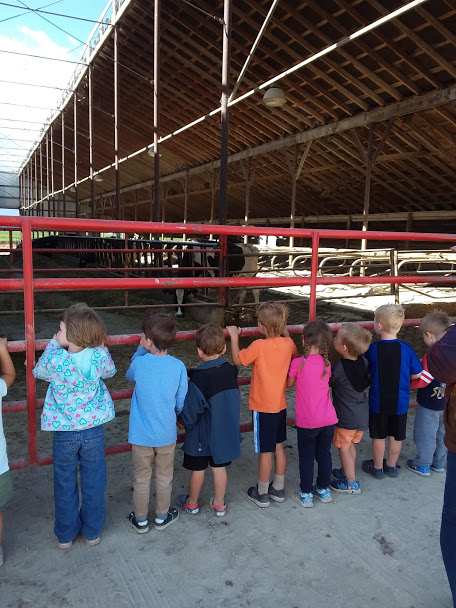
pixel 97 178
pixel 274 98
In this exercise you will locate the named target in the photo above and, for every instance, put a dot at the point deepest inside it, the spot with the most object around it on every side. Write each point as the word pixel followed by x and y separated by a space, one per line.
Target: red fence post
pixel 29 318
pixel 313 276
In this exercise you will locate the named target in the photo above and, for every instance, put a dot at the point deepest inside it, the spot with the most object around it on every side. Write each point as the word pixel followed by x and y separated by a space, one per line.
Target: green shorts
pixel 6 488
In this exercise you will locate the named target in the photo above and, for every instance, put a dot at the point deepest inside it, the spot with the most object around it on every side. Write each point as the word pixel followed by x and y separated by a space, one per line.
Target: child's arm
pixel 46 364
pixel 290 381
pixel 109 368
pixel 415 377
pixel 8 373
pixel 425 379
pixel 194 406
pixel 181 391
pixel 234 333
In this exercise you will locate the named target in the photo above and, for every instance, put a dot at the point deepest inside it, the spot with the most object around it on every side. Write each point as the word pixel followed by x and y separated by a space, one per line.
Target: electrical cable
pixel 35 122
pixel 38 10
pixel 53 24
pixel 41 57
pixel 23 105
pixel 29 10
pixel 28 84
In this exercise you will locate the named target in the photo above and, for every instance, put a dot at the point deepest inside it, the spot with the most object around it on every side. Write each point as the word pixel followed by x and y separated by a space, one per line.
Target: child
pixel 211 416
pixel 271 359
pixel 7 375
pixel 160 389
pixel 76 406
pixel 315 414
pixel 429 430
pixel 392 364
pixel 349 381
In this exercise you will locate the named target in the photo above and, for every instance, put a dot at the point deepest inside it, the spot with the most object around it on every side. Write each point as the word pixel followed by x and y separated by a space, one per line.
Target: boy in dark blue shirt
pixel 211 416
pixel 429 430
pixel 392 364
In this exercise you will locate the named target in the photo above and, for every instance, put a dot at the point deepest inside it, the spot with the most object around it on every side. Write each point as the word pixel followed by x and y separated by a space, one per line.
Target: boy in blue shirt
pixel 429 430
pixel 392 364
pixel 211 416
pixel 160 389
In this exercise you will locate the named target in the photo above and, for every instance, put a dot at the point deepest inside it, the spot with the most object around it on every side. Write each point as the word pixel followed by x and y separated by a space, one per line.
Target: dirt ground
pixel 377 548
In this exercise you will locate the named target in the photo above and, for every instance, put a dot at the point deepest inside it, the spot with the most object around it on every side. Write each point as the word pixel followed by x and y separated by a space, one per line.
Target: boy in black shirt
pixel 349 382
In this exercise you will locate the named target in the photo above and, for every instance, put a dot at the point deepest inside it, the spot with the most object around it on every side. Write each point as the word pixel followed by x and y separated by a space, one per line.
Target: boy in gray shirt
pixel 349 382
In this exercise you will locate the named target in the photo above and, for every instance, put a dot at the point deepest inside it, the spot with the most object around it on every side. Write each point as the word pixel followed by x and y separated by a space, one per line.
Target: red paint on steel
pixel 313 276
pixel 27 261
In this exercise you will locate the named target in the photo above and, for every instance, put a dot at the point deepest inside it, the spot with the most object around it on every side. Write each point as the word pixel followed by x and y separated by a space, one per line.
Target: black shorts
pixel 382 426
pixel 200 463
pixel 269 430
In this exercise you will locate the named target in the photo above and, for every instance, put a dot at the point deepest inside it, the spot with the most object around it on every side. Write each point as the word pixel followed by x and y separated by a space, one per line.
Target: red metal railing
pixel 29 285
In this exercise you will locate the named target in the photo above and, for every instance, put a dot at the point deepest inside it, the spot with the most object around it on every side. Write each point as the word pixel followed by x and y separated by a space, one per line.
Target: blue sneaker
pixel 391 471
pixel 305 499
pixel 338 474
pixel 343 485
pixel 419 470
pixel 368 467
pixel 438 469
pixel 322 494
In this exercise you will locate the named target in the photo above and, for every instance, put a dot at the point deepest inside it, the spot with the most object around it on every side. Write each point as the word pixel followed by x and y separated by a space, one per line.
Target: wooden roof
pixel 401 78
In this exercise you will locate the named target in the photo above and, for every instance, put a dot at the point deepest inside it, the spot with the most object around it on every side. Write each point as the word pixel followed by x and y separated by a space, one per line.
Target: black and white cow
pixel 242 262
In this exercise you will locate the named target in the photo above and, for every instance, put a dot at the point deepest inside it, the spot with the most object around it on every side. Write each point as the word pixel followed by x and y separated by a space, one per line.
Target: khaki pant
pixel 143 459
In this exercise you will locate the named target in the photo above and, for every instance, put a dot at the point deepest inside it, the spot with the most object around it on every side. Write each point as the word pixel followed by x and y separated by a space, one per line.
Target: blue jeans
pixel 315 444
pixel 448 528
pixel 86 448
pixel 428 435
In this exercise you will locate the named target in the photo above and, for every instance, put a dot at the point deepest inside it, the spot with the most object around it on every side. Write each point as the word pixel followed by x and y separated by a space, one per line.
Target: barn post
pixel 92 183
pixel 47 169
pixel 224 116
pixel 41 174
pixel 184 236
pixel 293 199
pixel 313 275
pixel 247 177
pixel 75 145
pixel 156 200
pixel 63 166
pixel 116 110
pixel 367 186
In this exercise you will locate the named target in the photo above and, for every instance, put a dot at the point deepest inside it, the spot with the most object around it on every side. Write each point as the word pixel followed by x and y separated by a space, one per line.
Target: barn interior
pixel 171 117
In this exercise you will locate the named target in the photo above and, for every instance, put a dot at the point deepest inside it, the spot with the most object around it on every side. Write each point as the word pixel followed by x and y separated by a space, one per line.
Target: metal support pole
pixel 41 172
pixel 293 199
pixel 156 203
pixel 313 276
pixel 116 118
pixel 247 197
pixel 47 166
pixel 75 146
pixel 29 317
pixel 63 166
pixel 52 158
pixel 224 117
pixel 367 187
pixel 184 236
pixel 92 183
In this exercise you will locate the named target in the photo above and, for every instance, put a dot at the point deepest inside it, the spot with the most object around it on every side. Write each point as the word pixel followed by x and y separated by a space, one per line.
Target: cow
pixel 242 261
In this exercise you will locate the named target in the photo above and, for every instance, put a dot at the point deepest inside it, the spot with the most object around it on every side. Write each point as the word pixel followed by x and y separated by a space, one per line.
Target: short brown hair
pixel 273 315
pixel 355 338
pixel 83 326
pixel 161 329
pixel 210 339
pixel 390 316
pixel 435 322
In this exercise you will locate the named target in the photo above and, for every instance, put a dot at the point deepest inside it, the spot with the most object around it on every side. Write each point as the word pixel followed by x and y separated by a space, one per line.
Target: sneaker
pixel 261 500
pixel 182 501
pixel 391 471
pixel 305 499
pixel 64 545
pixel 277 495
pixel 368 467
pixel 343 485
pixel 141 527
pixel 94 542
pixel 338 474
pixel 161 524
pixel 218 510
pixel 1 555
pixel 438 469
pixel 322 494
pixel 420 470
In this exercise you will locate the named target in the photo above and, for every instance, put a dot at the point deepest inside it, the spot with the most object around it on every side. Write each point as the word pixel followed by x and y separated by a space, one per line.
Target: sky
pixel 37 34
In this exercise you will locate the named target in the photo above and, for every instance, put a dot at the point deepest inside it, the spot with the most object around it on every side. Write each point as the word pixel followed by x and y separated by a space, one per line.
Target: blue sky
pixel 23 108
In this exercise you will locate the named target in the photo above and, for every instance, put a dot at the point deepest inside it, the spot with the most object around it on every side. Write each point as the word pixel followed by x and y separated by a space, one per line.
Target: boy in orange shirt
pixel 271 359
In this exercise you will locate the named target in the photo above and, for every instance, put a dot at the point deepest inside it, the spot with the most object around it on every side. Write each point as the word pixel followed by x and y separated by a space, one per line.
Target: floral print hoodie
pixel 74 402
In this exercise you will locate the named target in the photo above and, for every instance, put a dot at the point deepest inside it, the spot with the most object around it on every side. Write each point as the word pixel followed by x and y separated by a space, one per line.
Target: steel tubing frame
pixel 29 223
